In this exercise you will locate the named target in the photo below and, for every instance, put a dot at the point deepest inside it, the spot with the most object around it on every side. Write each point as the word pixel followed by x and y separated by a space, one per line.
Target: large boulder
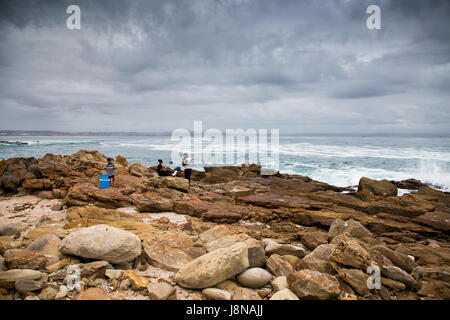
pixel 213 267
pixel 318 260
pixel 17 170
pixel 171 250
pixel 138 170
pixel 382 188
pixel 102 242
pixel 222 236
pixel 351 252
pixel 313 285
pixel 353 227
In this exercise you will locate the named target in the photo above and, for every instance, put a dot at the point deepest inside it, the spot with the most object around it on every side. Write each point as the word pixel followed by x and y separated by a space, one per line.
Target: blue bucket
pixel 104 181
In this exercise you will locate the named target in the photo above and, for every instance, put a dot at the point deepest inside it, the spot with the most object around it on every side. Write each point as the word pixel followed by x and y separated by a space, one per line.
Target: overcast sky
pixel 300 66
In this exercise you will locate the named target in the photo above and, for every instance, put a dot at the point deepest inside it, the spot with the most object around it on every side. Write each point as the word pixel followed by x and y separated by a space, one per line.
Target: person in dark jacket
pixel 110 170
pixel 160 170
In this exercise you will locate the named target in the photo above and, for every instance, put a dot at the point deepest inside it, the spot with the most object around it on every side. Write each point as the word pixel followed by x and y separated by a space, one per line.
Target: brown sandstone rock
pixel 240 293
pixel 8 278
pixel 382 188
pixel 398 259
pixel 26 259
pixel 436 220
pixel 351 252
pixel 160 291
pixel 171 250
pixel 278 266
pixel 213 267
pixel 354 228
pixel 308 284
pixel 93 294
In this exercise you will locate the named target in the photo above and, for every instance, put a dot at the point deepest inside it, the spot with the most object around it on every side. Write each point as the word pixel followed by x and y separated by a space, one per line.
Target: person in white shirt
pixel 185 162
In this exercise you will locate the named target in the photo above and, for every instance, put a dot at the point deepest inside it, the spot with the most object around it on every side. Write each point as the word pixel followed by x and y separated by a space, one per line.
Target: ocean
pixel 338 160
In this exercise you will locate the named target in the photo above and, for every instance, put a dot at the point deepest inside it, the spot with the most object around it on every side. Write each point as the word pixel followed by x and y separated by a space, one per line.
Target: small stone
pixel 48 293
pixel 278 266
pixel 227 285
pixel 284 294
pixel 280 283
pixel 56 266
pixel 160 291
pixel 273 247
pixel 137 282
pixel 393 284
pixel 264 292
pixel 114 274
pixel 56 207
pixel 216 294
pixel 240 293
pixel 254 278
pixel 125 284
pixel 62 293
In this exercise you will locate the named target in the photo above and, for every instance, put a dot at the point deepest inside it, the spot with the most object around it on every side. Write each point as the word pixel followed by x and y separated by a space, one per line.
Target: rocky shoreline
pixel 234 235
pixel 13 142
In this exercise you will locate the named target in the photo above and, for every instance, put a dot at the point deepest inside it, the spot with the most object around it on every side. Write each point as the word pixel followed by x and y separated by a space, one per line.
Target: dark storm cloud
pixel 301 66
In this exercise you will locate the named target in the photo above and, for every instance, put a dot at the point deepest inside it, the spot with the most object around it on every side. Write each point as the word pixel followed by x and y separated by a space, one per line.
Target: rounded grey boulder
pixel 102 242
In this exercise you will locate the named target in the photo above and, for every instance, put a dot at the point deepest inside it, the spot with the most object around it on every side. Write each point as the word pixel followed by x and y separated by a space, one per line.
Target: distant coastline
pixel 52 133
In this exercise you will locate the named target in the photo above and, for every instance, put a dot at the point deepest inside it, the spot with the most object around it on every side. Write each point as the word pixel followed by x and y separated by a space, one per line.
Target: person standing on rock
pixel 110 169
pixel 185 162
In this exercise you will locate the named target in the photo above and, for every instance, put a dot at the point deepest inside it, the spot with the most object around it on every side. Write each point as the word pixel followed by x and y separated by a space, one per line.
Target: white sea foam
pixel 429 172
pixel 320 150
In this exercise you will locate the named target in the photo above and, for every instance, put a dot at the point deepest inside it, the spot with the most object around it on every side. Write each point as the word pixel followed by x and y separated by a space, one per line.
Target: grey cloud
pixel 305 66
